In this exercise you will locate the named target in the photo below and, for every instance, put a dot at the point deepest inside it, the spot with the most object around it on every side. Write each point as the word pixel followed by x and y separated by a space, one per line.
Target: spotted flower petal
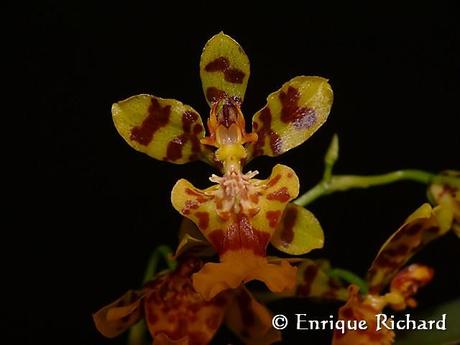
pixel 117 317
pixel 238 217
pixel 424 225
pixel 250 320
pixel 291 116
pixel 175 311
pixel 164 129
pixel 362 308
pixel 314 281
pixel 175 314
pixel 299 231
pixel 224 69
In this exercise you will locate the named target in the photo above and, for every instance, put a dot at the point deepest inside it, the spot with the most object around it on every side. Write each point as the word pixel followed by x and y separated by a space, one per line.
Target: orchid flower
pixel 176 314
pixel 239 215
pixel 421 227
pixel 449 196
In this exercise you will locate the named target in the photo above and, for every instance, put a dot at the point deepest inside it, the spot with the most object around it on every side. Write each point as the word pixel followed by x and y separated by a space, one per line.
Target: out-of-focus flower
pixel 365 307
pixel 449 196
pixel 421 227
pixel 239 215
pixel 315 281
pixel 176 314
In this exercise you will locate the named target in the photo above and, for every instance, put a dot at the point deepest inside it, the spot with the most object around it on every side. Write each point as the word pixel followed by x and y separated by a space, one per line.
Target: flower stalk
pixel 331 183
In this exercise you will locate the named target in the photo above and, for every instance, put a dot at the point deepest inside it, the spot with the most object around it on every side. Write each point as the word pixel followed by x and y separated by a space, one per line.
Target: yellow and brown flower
pixel 239 215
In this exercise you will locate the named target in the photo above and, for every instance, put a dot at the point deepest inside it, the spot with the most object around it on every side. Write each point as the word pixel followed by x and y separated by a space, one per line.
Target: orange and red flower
pixel 421 227
pixel 176 314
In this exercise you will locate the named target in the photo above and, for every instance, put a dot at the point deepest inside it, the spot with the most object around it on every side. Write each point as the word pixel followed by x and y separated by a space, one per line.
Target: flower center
pixel 237 194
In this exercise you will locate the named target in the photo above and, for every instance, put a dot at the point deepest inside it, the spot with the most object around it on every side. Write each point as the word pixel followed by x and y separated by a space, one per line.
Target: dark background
pixel 95 208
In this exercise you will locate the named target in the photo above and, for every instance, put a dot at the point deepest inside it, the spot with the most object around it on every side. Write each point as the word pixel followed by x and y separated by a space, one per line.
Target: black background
pixel 95 208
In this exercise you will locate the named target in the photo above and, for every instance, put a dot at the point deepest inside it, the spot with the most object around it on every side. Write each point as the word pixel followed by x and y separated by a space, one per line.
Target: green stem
pixel 338 183
pixel 137 332
pixel 349 277
pixel 160 252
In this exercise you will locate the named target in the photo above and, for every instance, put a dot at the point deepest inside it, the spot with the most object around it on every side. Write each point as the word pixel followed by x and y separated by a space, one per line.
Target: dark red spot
pixel 203 219
pixel 432 230
pixel 281 195
pixel 190 204
pixel 239 235
pixel 348 314
pixel 199 196
pixel 229 114
pixel 273 181
pixel 213 94
pixel 174 149
pixel 218 65
pixel 234 75
pixel 175 146
pixel 157 117
pixel 301 118
pixel 309 276
pixel 188 118
pixel 399 250
pixel 197 129
pixel 413 229
pixel 289 220
pixel 254 198
pixel 385 261
pixel 221 64
pixel 273 218
pixel 265 116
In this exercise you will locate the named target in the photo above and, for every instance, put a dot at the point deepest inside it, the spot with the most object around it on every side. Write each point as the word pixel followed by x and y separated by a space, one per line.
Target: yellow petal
pixel 313 281
pixel 241 266
pixel 299 231
pixel 291 116
pixel 420 228
pixel 250 320
pixel 259 211
pixel 239 226
pixel 281 187
pixel 362 308
pixel 196 204
pixel 165 129
pixel 224 69
pixel 117 317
